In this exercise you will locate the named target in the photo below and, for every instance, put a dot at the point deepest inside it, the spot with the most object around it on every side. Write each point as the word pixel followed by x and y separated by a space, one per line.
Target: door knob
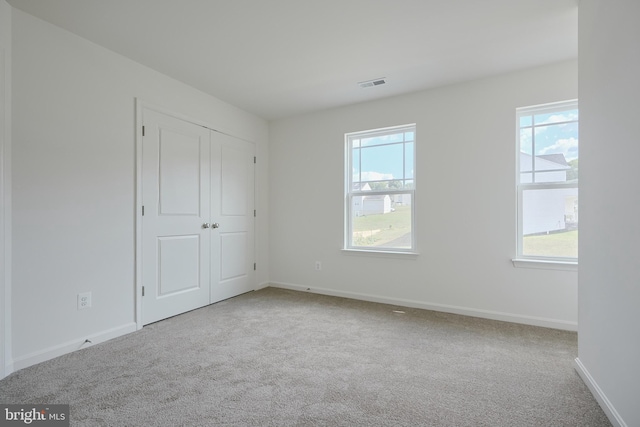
pixel 206 225
pixel 215 225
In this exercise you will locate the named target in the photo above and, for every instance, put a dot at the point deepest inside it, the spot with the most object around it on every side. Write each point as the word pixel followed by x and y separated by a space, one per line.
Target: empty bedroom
pixel 346 213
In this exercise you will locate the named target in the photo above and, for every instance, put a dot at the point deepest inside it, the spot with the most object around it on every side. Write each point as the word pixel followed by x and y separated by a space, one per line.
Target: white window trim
pixel 530 261
pixel 349 193
pixel 381 253
pixel 545 264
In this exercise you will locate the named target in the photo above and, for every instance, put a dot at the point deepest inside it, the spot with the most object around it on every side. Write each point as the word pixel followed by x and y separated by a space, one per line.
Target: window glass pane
pixel 382 162
pixel 557 138
pixel 526 141
pixel 548 145
pixel 556 117
pixel 381 221
pixel 525 121
pixel 382 139
pixel 408 160
pixel 355 160
pixel 526 178
pixel 550 222
pixel 396 184
pixel 556 148
pixel 362 186
pixel 526 159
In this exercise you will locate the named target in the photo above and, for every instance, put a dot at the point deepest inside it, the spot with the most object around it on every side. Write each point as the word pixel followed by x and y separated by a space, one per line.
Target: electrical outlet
pixel 318 265
pixel 84 300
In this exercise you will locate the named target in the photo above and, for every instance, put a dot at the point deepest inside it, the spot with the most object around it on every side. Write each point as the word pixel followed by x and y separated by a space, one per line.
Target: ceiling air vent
pixel 374 82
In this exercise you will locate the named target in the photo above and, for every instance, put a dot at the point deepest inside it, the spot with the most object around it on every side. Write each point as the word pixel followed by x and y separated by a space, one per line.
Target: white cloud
pixel 568 147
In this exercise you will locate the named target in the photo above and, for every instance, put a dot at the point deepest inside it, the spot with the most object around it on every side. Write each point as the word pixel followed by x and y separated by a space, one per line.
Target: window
pixel 548 182
pixel 380 190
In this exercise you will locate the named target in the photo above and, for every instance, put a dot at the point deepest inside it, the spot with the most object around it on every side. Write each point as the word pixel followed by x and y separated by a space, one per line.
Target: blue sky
pixel 382 157
pixel 552 134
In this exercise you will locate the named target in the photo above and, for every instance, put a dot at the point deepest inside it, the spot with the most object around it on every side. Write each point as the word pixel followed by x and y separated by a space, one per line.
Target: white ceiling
pixel 277 58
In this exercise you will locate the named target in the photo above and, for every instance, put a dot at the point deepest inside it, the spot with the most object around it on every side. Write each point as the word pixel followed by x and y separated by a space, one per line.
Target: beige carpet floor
pixel 282 358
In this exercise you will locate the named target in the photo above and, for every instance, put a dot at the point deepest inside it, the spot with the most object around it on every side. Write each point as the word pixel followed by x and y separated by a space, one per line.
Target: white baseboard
pixel 605 404
pixel 71 346
pixel 485 314
pixel 262 285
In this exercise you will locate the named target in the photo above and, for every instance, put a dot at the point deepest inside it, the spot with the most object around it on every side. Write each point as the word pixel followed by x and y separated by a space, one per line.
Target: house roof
pixel 555 158
pixel 357 186
pixel 545 162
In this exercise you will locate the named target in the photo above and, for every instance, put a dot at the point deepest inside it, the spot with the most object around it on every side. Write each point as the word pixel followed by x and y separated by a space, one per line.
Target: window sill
pixel 545 264
pixel 382 253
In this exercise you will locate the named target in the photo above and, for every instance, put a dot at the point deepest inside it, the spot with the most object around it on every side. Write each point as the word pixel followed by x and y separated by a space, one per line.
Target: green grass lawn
pixel 563 244
pixel 379 229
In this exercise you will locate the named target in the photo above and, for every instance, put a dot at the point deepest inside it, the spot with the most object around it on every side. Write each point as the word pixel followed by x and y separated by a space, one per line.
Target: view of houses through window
pixel 548 181
pixel 380 188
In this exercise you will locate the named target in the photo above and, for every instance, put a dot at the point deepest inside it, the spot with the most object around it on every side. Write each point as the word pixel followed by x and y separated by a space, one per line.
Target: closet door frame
pixel 141 105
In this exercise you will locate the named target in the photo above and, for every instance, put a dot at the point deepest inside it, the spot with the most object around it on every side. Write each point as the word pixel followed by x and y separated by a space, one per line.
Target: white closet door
pixel 232 208
pixel 176 198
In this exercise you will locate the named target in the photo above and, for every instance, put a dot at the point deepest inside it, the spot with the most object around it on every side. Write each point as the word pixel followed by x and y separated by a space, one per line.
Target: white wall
pixel 74 183
pixel 609 272
pixel 466 202
pixel 5 187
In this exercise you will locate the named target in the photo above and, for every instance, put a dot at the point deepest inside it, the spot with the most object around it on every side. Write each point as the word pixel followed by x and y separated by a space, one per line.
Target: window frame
pixel 350 193
pixel 538 261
